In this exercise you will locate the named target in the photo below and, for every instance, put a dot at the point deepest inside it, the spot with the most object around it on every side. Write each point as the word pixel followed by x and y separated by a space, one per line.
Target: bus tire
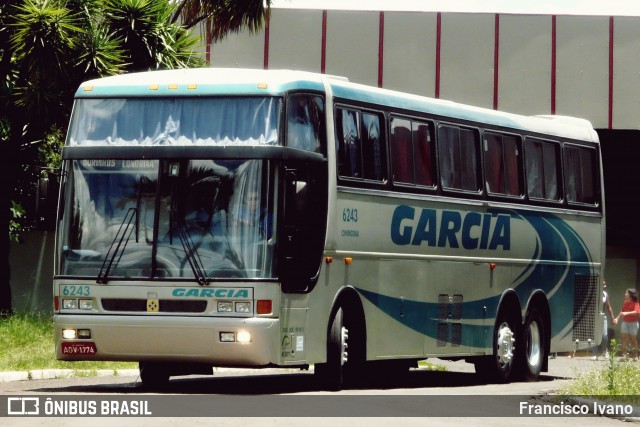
pixel 501 365
pixel 154 374
pixel 533 346
pixel 331 373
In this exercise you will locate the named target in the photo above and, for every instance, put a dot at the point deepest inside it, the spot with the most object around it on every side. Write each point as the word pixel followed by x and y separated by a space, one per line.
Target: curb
pixel 51 374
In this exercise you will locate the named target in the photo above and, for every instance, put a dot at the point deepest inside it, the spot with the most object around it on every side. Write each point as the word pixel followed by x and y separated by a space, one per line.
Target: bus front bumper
pixel 168 339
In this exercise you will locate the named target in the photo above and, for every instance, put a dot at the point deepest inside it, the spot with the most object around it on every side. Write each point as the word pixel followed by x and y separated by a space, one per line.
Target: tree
pixel 220 17
pixel 47 48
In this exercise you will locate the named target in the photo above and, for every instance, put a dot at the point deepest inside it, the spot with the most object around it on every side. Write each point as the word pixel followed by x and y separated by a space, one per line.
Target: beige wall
pixel 583 68
pixel 466 70
pixel 626 74
pixel 295 40
pixel 408 51
pixel 524 83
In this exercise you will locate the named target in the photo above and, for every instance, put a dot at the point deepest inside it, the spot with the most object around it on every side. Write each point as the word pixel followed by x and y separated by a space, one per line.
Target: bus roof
pixel 221 81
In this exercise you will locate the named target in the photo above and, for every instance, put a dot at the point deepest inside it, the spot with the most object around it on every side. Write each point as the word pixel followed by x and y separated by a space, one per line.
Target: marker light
pixel 84 334
pixel 227 337
pixel 69 334
pixel 244 336
pixel 348 260
pixel 264 306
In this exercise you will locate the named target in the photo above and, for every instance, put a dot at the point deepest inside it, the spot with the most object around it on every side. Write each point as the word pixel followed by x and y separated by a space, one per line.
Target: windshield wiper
pixel 190 251
pixel 125 226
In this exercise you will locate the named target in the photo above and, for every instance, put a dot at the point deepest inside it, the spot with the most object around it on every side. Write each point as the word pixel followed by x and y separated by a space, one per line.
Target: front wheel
pixel 501 365
pixel 331 373
pixel 154 374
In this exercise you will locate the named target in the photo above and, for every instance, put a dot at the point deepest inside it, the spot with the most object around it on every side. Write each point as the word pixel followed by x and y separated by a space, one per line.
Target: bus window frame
pixel 479 193
pixel 407 186
pixel 520 198
pixel 595 170
pixel 361 182
pixel 533 200
pixel 284 121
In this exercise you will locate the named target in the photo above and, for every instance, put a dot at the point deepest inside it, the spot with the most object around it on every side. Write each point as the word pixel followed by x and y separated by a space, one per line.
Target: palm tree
pixel 48 47
pixel 220 17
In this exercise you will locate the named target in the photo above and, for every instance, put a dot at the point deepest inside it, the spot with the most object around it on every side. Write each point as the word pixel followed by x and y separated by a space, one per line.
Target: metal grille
pixel 456 309
pixel 449 308
pixel 585 302
pixel 443 306
pixel 166 306
pixel 443 334
pixel 456 334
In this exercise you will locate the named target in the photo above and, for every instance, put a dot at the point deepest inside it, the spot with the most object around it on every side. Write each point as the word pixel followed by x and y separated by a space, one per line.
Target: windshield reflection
pixel 198 219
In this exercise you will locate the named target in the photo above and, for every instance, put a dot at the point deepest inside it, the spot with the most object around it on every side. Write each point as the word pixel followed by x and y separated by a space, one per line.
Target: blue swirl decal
pixel 559 255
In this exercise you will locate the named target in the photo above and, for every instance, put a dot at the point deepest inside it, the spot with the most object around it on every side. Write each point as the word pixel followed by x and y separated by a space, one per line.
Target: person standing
pixel 629 326
pixel 603 348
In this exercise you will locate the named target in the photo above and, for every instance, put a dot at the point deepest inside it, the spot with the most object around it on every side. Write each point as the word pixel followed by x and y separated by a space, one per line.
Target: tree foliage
pixel 47 49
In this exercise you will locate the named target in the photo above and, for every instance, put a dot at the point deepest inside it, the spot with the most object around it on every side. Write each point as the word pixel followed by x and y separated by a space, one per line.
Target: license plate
pixel 79 348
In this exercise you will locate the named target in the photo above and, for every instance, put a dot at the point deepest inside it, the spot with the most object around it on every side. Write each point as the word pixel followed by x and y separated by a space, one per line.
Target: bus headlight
pixel 243 336
pixel 69 304
pixel 69 334
pixel 243 307
pixel 85 304
pixel 225 306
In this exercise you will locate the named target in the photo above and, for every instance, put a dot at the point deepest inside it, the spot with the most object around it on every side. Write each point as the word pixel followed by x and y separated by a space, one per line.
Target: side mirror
pixel 46 201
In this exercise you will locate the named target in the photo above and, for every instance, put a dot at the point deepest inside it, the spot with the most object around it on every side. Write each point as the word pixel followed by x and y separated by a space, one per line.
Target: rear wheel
pixel 533 348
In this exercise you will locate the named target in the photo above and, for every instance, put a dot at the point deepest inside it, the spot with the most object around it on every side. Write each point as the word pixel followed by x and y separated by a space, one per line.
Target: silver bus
pixel 251 218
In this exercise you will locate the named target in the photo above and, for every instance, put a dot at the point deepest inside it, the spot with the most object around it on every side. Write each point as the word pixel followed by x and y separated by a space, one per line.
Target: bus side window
pixel 422 146
pixel 361 150
pixel 349 148
pixel 458 158
pixel 305 122
pixel 501 163
pixel 401 151
pixel 373 149
pixel 580 174
pixel 541 160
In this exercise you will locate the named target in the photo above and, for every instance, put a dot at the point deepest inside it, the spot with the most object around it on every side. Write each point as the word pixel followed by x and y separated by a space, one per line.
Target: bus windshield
pixel 175 121
pixel 193 219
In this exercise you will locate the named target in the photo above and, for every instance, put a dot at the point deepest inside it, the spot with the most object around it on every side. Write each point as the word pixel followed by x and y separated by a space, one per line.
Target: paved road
pixel 469 400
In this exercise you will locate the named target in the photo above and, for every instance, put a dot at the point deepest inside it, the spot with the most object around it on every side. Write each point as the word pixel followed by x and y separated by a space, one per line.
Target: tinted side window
pixel 541 164
pixel 458 158
pixel 305 122
pixel 411 152
pixel 502 164
pixel 580 174
pixel 361 147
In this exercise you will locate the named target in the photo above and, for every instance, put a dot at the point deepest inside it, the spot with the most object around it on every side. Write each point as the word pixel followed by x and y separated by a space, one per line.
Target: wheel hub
pixel 506 345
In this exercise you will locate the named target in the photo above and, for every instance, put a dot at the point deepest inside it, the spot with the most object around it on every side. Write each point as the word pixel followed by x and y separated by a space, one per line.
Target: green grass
pixel 27 343
pixel 616 380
